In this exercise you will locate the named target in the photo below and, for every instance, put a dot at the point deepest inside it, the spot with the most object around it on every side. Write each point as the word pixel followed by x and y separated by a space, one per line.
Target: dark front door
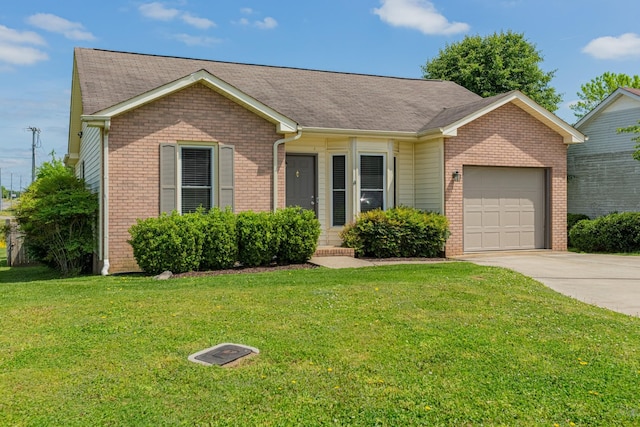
pixel 301 181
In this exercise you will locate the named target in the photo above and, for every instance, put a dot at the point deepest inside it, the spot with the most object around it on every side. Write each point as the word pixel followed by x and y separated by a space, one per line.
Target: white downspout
pixel 275 164
pixel 105 197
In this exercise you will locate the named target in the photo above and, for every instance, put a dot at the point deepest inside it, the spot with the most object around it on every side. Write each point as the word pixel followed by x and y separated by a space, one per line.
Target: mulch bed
pixel 306 266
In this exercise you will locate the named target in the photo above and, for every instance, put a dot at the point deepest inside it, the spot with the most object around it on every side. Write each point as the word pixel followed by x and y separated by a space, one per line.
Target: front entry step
pixel 325 251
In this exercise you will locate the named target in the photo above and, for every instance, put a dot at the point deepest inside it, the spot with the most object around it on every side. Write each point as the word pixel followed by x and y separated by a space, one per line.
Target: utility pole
pixel 33 130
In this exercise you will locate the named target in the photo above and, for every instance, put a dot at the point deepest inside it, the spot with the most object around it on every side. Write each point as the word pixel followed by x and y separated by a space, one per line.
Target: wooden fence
pixel 16 251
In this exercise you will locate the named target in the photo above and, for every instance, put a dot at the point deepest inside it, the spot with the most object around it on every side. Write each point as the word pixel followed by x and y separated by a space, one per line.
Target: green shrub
pixel 617 232
pixel 171 242
pixel 398 232
pixel 298 231
pixel 220 248
pixel 573 219
pixel 258 238
pixel 57 214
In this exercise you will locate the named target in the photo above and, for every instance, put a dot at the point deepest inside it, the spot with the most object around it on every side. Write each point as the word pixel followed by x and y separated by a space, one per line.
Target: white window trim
pixel 346 188
pixel 384 188
pixel 213 149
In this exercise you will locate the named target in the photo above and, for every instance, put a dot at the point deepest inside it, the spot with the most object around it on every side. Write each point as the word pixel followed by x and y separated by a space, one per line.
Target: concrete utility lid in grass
pixel 223 354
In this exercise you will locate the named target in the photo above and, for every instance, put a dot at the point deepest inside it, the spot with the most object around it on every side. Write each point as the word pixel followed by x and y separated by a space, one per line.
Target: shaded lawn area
pixel 437 344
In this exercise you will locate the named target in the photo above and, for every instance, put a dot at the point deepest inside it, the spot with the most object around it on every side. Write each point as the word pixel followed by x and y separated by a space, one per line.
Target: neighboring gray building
pixel 603 177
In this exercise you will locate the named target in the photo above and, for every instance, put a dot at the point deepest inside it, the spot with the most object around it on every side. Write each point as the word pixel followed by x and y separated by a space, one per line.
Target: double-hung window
pixel 196 169
pixel 372 182
pixel 339 190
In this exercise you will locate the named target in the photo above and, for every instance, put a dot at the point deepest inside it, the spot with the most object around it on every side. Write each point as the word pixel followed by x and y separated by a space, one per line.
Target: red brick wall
pixel 196 113
pixel 508 136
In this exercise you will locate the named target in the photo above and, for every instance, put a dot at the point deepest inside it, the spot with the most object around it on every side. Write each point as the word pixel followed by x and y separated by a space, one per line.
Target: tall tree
pixel 594 92
pixel 495 64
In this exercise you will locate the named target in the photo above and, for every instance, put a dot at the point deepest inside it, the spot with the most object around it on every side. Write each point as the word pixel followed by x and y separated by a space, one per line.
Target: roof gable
pixel 204 77
pixel 631 94
pixel 450 120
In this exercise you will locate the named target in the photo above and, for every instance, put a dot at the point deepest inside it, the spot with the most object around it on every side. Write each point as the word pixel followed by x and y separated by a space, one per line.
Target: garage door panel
pixel 503 208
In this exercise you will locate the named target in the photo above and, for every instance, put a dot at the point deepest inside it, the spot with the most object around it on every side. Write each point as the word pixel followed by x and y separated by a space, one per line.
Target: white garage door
pixel 504 208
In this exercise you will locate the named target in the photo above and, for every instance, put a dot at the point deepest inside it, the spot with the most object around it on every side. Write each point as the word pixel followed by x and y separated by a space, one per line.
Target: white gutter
pixel 275 164
pixel 105 197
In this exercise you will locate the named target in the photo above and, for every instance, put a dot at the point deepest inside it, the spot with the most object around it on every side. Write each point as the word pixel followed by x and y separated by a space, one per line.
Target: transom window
pixel 372 179
pixel 196 166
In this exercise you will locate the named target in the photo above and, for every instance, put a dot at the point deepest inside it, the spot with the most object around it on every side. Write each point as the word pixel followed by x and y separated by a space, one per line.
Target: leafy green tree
pixel 57 215
pixel 633 129
pixel 594 92
pixel 495 64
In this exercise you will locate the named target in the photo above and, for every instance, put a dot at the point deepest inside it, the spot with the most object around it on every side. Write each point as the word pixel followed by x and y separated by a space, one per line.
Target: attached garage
pixel 504 208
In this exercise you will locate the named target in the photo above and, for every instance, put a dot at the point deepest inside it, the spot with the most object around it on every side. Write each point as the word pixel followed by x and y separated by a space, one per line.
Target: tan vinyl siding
pixel 89 160
pixel 428 176
pixel 404 175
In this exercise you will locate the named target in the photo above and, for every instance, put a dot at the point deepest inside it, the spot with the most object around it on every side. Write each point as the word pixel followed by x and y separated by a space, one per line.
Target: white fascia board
pixel 570 135
pixel 284 124
pixel 411 136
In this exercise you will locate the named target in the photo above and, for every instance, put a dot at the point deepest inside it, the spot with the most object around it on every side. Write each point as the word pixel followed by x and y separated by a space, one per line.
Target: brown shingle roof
pixel 311 98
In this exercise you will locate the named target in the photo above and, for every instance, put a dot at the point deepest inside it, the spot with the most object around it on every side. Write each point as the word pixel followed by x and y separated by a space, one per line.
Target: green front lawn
pixel 438 344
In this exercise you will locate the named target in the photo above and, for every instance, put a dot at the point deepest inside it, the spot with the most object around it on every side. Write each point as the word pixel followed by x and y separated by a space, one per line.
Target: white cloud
pixel 267 23
pixel 158 11
pixel 21 55
pixel 625 46
pixel 10 35
pixel 246 10
pixel 202 23
pixel 195 40
pixel 56 24
pixel 419 15
pixel 14 48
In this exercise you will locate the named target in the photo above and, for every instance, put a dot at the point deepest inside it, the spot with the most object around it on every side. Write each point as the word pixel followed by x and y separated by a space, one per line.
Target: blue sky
pixel 580 39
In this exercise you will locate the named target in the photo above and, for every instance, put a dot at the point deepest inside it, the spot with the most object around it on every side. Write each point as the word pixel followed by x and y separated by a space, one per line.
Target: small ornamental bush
pixel 616 232
pixel 299 230
pixel 57 214
pixel 573 219
pixel 397 232
pixel 171 242
pixel 258 238
pixel 220 250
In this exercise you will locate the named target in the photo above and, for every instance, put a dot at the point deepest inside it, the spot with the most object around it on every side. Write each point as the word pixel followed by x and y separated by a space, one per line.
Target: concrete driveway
pixel 609 281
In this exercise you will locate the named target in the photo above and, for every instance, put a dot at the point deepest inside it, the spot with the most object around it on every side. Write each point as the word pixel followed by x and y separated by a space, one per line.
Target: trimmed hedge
pixel 616 232
pixel 220 239
pixel 397 232
pixel 171 242
pixel 258 238
pixel 299 231
pixel 220 249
